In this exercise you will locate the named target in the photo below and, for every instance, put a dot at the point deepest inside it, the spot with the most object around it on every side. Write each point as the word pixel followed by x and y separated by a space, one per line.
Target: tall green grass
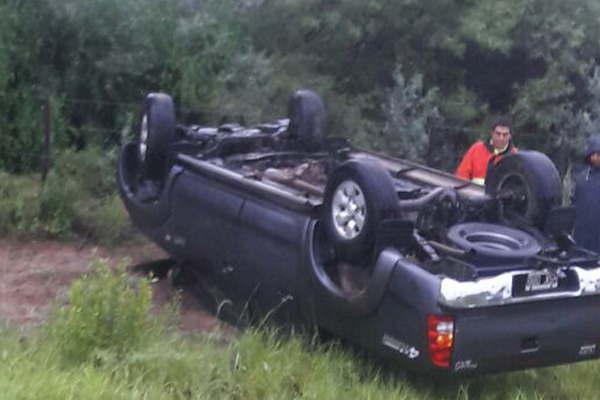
pixel 257 365
pixel 105 344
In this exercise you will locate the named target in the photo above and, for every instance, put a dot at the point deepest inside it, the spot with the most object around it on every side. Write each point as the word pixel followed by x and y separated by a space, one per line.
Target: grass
pixel 257 365
pixel 103 343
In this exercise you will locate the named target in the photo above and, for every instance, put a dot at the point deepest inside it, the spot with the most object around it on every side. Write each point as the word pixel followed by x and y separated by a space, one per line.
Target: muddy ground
pixel 34 273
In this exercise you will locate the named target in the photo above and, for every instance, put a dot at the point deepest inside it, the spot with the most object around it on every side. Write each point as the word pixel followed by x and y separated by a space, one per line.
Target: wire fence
pixel 136 107
pixel 127 125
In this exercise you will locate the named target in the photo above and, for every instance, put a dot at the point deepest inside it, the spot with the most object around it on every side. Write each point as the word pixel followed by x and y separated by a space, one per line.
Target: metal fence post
pixel 46 149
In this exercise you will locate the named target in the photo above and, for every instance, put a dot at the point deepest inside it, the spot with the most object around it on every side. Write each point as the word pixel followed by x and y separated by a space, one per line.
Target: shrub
pixel 92 170
pixel 79 198
pixel 57 205
pixel 409 110
pixel 105 312
pixel 104 220
pixel 76 180
pixel 19 204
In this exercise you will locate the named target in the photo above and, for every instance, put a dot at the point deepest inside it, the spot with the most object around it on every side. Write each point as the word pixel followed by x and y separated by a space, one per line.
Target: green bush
pixel 79 198
pixel 105 220
pixel 91 169
pixel 106 312
pixel 19 204
pixel 57 206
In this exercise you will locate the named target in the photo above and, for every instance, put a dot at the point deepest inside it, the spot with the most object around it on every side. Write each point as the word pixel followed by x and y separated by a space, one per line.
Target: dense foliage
pixel 420 79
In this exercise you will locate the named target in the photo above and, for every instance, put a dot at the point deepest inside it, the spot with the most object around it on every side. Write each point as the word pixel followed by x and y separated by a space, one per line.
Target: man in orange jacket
pixel 475 162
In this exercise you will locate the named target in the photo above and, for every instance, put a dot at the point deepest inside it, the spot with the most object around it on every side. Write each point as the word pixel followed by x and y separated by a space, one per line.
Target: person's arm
pixel 465 168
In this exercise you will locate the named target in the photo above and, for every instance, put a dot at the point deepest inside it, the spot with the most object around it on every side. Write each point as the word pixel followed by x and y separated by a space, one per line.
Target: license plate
pixel 541 280
pixel 544 281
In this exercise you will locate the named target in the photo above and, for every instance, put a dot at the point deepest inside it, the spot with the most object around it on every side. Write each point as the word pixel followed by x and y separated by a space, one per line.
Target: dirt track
pixel 33 273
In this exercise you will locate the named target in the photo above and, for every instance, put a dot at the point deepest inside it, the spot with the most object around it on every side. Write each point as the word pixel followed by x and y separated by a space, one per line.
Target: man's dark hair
pixel 502 121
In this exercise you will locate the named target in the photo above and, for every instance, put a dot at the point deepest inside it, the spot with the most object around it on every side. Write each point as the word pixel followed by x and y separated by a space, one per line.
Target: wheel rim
pixel 494 241
pixel 143 146
pixel 349 210
pixel 512 192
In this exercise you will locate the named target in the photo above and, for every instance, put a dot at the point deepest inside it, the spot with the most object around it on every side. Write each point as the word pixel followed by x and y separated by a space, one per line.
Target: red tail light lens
pixel 440 329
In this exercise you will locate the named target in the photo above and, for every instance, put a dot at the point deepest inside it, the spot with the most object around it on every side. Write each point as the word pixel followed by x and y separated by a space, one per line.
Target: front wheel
pixel 358 196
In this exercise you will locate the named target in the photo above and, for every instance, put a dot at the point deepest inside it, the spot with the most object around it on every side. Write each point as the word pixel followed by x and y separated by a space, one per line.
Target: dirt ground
pixel 34 273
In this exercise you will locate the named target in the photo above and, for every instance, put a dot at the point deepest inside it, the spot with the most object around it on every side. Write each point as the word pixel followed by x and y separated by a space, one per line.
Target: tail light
pixel 440 330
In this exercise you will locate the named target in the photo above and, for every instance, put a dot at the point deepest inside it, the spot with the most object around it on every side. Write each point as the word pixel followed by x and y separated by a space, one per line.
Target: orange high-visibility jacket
pixel 474 164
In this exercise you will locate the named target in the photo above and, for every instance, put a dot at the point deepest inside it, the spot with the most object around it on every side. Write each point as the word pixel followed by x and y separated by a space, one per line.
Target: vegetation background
pixel 418 79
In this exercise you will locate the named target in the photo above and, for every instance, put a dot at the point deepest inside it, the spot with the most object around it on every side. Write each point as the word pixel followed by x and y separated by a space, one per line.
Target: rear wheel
pixel 157 129
pixel 307 118
pixel 527 185
pixel 358 196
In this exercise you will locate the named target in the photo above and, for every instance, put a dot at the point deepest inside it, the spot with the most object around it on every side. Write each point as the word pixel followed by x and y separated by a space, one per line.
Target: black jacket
pixel 586 200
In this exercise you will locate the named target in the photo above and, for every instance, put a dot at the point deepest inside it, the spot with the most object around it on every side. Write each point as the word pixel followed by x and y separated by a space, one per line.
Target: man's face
pixel 595 159
pixel 500 137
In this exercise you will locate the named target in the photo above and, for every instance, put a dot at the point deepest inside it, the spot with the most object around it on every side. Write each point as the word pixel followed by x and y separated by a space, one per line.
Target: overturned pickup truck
pixel 408 262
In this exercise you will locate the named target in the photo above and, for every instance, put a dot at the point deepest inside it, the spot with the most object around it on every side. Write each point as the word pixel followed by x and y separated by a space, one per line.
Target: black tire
pixel 156 132
pixel 527 185
pixel 307 118
pixel 354 239
pixel 493 241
